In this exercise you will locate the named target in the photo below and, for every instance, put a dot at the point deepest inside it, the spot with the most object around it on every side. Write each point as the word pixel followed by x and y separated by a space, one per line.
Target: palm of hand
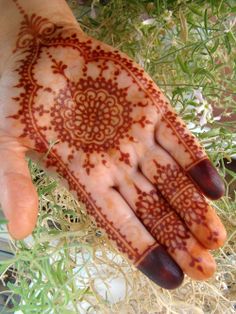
pixel 118 140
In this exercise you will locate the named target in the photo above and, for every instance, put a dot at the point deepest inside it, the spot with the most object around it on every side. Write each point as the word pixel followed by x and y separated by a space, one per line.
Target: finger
pixel 114 215
pixel 18 196
pixel 161 169
pixel 166 227
pixel 173 135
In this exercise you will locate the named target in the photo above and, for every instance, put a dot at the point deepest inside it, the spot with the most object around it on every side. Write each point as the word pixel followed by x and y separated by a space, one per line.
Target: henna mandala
pixel 89 114
pixel 88 117
pixel 92 113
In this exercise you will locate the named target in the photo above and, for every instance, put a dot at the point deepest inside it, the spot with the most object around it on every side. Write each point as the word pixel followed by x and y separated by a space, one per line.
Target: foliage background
pixel 68 265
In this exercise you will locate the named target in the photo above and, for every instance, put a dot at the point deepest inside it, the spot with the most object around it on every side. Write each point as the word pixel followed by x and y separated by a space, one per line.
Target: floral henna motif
pixel 183 196
pixel 94 210
pixel 90 114
pixel 38 34
pixel 164 225
pixel 92 119
pixel 160 220
pixel 150 207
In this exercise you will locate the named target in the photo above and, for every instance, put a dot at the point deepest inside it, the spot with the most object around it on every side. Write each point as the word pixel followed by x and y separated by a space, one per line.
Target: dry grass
pixel 68 263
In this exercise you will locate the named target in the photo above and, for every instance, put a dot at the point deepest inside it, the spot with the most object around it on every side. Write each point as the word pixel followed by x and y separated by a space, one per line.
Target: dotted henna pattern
pixel 92 115
pixel 183 196
pixel 159 217
pixel 100 104
pixel 163 223
pixel 185 138
pixel 87 116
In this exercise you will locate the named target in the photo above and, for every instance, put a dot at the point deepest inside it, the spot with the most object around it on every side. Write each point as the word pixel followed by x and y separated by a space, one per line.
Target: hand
pixel 119 146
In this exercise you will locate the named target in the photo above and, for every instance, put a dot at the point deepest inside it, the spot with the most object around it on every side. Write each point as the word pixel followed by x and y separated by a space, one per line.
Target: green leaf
pixel 227 43
pixel 3 221
pixel 47 189
pixel 196 48
pixel 195 10
pixel 5 266
pixel 205 72
pixel 211 133
pixel 216 45
pixel 231 36
pixel 232 173
pixel 182 64
pixel 205 21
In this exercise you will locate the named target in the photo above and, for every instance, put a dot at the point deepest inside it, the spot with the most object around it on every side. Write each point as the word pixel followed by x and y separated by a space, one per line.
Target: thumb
pixel 18 196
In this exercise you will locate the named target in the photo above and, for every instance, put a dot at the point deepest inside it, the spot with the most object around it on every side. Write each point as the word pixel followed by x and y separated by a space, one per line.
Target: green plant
pixel 189 48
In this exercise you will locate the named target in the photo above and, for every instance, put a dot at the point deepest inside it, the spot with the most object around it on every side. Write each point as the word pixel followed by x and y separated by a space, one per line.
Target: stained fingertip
pixel 202 265
pixel 159 266
pixel 208 179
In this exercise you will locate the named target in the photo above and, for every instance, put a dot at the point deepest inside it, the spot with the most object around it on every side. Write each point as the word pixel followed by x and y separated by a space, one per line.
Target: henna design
pixel 164 225
pixel 93 114
pixel 160 220
pixel 93 209
pixel 90 115
pixel 89 118
pixel 185 138
pixel 37 33
pixel 183 196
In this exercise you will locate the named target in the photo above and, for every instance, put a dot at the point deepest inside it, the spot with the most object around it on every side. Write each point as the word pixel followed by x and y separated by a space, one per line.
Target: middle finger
pixel 166 227
pixel 184 197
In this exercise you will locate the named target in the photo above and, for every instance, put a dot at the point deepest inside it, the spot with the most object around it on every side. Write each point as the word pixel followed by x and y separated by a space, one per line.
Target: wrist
pixel 15 11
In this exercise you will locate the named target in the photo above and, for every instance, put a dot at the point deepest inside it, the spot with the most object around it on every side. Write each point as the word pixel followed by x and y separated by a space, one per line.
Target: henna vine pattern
pixel 183 196
pixel 92 114
pixel 103 106
pixel 163 223
pixel 185 138
pixel 160 220
pixel 36 34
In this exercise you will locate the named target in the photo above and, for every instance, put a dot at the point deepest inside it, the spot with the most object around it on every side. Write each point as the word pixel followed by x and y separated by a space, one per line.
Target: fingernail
pixel 208 179
pixel 159 266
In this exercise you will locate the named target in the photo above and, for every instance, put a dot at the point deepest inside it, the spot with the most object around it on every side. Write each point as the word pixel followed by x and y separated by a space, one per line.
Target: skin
pixel 120 147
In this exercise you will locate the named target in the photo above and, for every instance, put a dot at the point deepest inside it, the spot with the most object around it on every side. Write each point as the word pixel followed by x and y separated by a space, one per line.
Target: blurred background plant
pixel 68 265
